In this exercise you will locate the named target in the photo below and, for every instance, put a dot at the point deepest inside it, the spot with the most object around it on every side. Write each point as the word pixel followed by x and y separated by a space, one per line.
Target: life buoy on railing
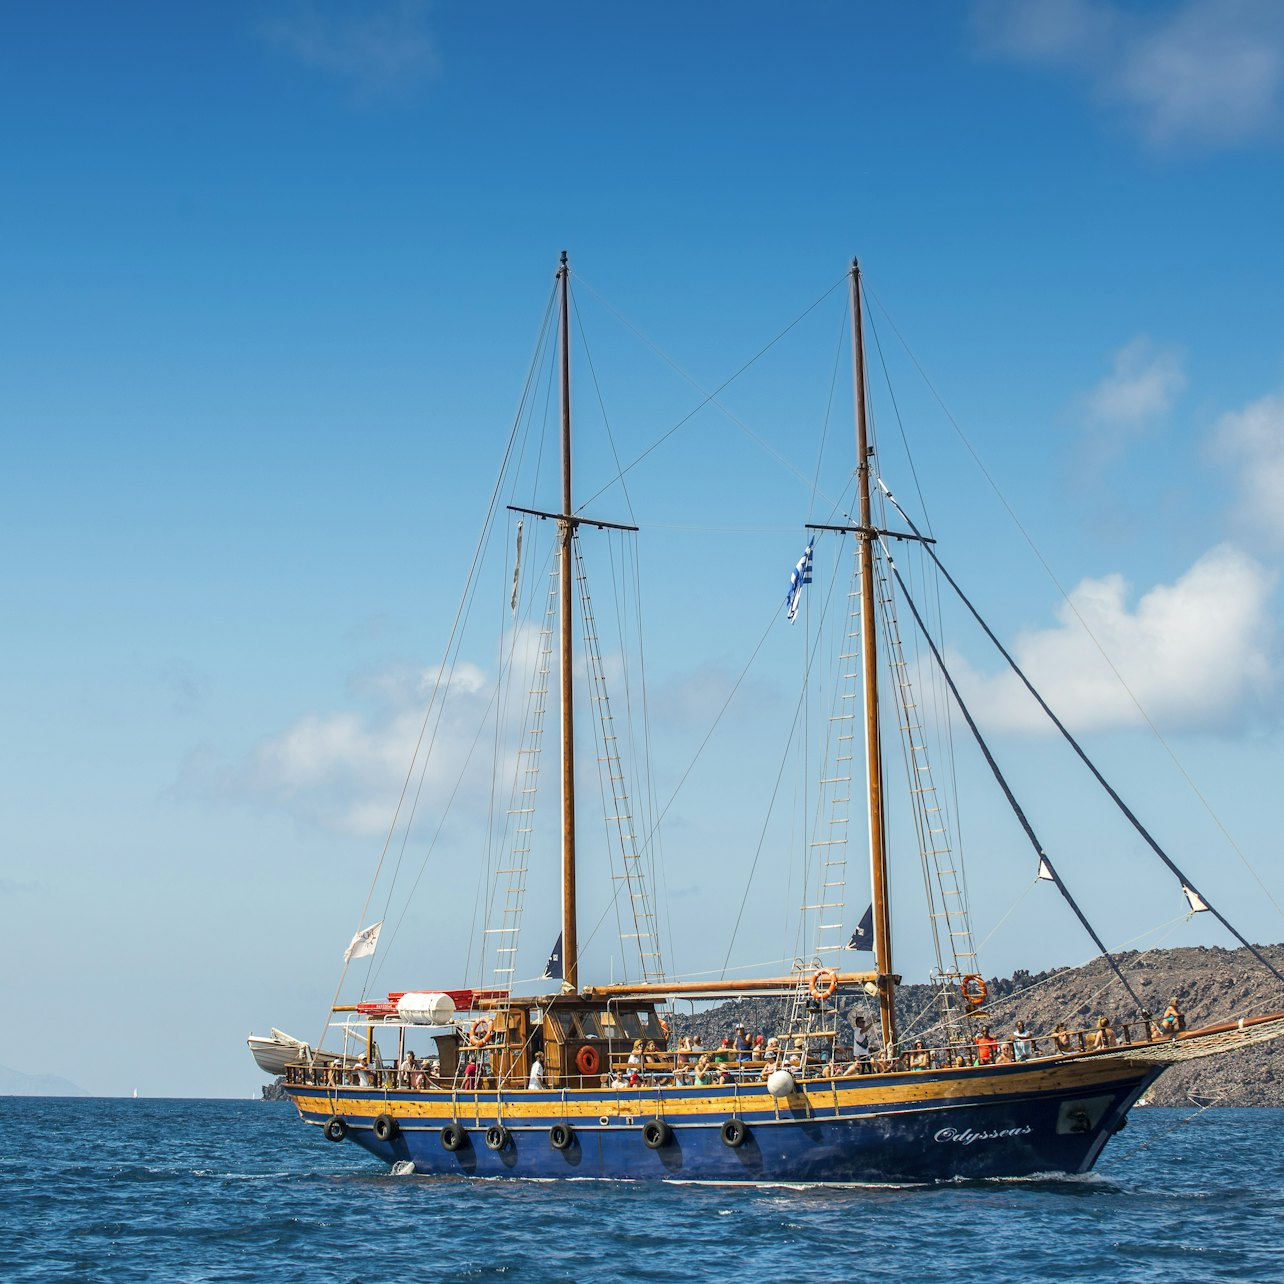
pixel 974 989
pixel 587 1060
pixel 480 1032
pixel 824 983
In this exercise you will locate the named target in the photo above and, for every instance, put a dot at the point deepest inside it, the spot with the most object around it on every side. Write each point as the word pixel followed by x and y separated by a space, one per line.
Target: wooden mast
pixel 866 533
pixel 566 534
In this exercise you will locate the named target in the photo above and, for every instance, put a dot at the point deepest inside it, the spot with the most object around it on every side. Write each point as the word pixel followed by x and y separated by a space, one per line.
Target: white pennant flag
pixel 1195 900
pixel 363 943
pixel 1045 870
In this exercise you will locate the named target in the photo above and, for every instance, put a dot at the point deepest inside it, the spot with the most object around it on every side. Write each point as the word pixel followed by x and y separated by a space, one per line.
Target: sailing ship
pixel 588 1081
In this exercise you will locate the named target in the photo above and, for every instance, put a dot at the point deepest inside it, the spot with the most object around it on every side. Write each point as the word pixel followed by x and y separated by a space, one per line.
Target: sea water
pixel 121 1190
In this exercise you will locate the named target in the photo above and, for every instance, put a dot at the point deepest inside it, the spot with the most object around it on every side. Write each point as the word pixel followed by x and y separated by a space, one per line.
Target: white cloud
pixel 1252 441
pixel 1140 389
pixel 1196 654
pixel 1206 72
pixel 379 49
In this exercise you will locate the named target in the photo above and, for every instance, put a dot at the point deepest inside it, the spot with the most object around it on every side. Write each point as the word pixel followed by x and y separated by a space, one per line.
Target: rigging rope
pixel 1187 885
pixel 1002 781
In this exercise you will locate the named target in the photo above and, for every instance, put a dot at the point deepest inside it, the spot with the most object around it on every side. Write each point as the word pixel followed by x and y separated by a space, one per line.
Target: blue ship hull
pixel 970 1126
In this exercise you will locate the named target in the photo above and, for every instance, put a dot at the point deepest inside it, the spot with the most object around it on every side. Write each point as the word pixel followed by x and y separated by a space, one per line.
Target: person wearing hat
pixel 741 1043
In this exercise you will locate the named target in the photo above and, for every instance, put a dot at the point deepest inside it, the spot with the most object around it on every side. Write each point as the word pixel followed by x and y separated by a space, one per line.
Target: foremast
pixel 866 533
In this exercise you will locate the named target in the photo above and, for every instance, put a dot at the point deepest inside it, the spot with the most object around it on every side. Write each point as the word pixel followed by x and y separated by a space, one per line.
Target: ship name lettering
pixel 966 1136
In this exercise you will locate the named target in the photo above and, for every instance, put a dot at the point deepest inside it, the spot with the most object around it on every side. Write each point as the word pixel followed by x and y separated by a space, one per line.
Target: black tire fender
pixel 561 1136
pixel 735 1132
pixel 386 1127
pixel 454 1137
pixel 335 1129
pixel 497 1137
pixel 656 1133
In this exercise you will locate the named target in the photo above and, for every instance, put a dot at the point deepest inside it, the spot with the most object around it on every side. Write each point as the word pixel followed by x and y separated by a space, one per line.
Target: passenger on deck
pixel 697 1044
pixel 986 1047
pixel 471 1073
pixel 635 1057
pixel 361 1073
pixel 860 1044
pixel 1173 1021
pixel 724 1051
pixel 684 1044
pixel 1061 1037
pixel 536 1081
pixel 919 1057
pixel 619 1079
pixel 1006 1052
pixel 759 1047
pixel 703 1073
pixel 1104 1037
pixel 1022 1044
pixel 409 1064
pixel 742 1045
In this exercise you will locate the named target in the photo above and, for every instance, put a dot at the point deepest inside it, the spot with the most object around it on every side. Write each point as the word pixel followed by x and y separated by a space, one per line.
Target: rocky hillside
pixel 1211 985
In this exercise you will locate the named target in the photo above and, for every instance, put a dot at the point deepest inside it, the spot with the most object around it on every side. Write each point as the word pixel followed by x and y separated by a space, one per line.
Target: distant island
pixel 1210 984
pixel 14 1083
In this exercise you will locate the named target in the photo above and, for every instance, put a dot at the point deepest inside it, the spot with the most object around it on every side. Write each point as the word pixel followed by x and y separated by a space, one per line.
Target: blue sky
pixel 273 275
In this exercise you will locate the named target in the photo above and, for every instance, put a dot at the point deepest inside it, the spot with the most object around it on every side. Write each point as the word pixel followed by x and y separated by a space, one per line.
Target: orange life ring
pixel 974 989
pixel 588 1060
pixel 824 983
pixel 480 1032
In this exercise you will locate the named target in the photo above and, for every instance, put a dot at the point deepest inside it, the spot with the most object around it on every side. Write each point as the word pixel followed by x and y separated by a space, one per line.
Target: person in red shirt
pixel 985 1047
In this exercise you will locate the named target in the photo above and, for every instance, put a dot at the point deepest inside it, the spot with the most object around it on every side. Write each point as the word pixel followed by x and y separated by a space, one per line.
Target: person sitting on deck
pixel 703 1073
pixel 1022 1045
pixel 619 1079
pixel 759 1047
pixel 919 1057
pixel 1006 1052
pixel 697 1044
pixel 1104 1037
pixel 1173 1021
pixel 1061 1037
pixel 536 1081
pixel 361 1073
pixel 635 1057
pixel 724 1051
pixel 986 1047
pixel 684 1044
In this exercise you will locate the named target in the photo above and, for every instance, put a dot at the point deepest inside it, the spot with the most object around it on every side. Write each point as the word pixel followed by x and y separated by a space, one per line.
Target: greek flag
pixel 800 575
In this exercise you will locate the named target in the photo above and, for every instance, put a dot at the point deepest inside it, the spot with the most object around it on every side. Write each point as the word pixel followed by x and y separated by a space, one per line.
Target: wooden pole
pixel 866 534
pixel 566 576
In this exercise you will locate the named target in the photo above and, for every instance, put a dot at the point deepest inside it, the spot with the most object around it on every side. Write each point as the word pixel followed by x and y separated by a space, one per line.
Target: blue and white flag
pixel 800 575
pixel 863 936
pixel 553 968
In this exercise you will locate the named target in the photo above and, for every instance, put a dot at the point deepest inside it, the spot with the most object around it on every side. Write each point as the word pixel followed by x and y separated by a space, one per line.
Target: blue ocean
pixel 182 1190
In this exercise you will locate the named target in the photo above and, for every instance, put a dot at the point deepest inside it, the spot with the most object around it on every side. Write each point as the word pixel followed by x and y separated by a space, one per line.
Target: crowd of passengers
pixel 741 1056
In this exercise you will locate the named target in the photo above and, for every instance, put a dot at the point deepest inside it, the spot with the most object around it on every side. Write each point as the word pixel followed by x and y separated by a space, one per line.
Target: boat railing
pixel 677 1067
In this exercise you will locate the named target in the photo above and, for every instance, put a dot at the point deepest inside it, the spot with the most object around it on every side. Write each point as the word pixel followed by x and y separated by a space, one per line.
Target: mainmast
pixel 866 533
pixel 566 535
